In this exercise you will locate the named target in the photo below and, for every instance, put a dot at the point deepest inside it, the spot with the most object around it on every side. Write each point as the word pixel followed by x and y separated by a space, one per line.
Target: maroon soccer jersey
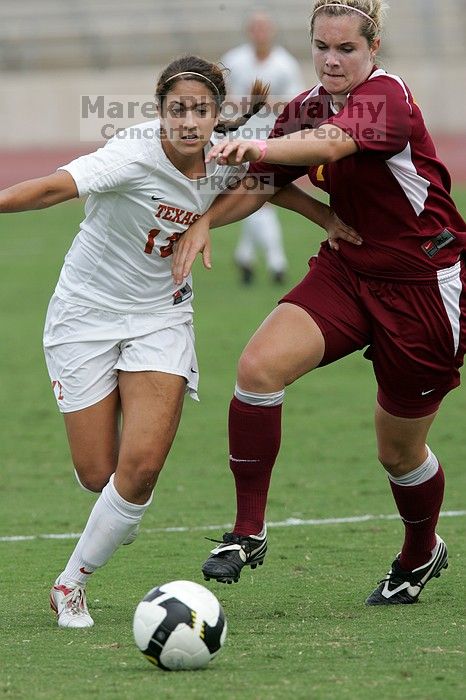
pixel 394 191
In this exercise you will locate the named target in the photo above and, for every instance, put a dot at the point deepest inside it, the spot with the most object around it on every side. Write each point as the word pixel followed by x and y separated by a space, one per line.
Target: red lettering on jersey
pixel 150 240
pixel 58 389
pixel 178 214
pixel 166 250
pixel 168 216
pixel 175 215
pixel 187 218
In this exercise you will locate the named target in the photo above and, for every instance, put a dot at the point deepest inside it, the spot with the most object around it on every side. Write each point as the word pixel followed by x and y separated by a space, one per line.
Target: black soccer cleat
pixel 404 587
pixel 235 551
pixel 246 275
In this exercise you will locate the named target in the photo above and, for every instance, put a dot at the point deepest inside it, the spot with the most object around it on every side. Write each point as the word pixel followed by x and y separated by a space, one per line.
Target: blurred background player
pixel 261 57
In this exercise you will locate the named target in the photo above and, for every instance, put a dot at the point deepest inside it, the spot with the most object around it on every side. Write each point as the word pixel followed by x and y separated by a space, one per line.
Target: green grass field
pixel 298 627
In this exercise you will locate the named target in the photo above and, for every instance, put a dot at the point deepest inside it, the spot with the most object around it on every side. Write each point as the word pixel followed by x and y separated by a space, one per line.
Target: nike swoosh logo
pixel 83 571
pixel 194 371
pixel 424 393
pixel 156 199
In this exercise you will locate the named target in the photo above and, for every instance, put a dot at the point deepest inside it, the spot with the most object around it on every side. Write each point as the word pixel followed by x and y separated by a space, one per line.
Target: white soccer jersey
pixel 138 204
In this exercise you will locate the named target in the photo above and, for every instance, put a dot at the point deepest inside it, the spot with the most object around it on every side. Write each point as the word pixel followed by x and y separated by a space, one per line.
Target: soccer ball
pixel 179 626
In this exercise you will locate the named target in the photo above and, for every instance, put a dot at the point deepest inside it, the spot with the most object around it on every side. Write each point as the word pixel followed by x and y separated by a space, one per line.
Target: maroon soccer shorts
pixel 415 331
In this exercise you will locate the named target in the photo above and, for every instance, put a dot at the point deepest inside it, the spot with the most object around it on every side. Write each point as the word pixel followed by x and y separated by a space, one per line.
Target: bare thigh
pixel 401 442
pixel 94 440
pixel 288 344
pixel 151 404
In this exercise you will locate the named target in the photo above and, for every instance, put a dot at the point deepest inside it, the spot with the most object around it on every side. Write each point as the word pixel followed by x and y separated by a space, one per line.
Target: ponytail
pixel 257 99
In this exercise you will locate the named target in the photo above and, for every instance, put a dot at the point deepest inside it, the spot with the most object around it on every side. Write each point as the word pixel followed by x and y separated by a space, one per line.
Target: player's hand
pixel 234 152
pixel 337 230
pixel 196 239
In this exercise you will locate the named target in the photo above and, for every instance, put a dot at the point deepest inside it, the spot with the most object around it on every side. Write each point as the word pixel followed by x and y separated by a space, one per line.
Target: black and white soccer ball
pixel 179 626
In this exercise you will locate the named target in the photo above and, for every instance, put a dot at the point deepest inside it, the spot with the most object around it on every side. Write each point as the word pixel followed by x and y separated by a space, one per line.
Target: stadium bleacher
pixel 37 35
pixel 54 51
pixel 41 34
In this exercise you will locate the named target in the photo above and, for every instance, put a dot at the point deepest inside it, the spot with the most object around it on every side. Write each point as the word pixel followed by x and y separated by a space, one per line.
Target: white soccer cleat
pixel 69 605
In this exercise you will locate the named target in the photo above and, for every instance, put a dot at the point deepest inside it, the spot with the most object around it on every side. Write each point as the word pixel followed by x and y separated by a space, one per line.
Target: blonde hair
pixel 371 12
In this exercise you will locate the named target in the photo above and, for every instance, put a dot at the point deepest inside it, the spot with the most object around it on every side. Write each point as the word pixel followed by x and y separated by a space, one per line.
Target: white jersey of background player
pixel 276 66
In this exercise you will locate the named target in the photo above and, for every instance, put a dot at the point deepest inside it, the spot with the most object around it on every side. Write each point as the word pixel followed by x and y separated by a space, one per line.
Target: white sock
pixel 249 397
pixel 424 472
pixel 110 522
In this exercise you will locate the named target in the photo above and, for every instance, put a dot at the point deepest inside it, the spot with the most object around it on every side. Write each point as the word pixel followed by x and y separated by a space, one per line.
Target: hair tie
pixel 190 72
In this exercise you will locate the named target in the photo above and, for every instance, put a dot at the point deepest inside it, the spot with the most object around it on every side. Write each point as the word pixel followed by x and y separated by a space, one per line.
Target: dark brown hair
pixel 212 76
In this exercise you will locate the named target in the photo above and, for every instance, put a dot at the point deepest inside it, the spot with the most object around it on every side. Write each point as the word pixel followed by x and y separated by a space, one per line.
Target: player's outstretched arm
pixel 239 202
pixel 235 204
pixel 195 240
pixel 39 193
pixel 294 198
pixel 307 147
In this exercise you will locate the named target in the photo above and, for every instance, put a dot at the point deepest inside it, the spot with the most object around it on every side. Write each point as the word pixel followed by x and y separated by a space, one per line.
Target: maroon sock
pixel 255 433
pixel 419 507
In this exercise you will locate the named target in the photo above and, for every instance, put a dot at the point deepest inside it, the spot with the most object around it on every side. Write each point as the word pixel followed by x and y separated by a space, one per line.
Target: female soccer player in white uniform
pixel 119 334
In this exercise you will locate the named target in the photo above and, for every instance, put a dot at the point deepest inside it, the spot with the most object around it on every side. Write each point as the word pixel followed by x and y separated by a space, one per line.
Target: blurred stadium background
pixel 54 51
pixel 298 630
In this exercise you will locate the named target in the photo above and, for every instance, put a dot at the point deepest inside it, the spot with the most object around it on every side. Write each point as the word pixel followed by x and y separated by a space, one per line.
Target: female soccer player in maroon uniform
pixel 361 137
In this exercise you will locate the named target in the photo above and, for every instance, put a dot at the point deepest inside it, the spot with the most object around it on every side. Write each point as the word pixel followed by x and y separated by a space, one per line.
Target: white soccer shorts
pixel 85 347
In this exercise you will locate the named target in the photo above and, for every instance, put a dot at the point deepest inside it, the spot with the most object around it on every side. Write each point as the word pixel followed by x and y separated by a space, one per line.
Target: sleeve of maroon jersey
pixel 289 121
pixel 378 115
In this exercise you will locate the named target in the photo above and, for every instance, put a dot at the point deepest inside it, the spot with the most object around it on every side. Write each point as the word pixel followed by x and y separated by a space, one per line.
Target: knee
pixel 92 476
pixel 142 469
pixel 145 479
pixel 89 481
pixel 396 462
pixel 254 373
pixel 391 466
